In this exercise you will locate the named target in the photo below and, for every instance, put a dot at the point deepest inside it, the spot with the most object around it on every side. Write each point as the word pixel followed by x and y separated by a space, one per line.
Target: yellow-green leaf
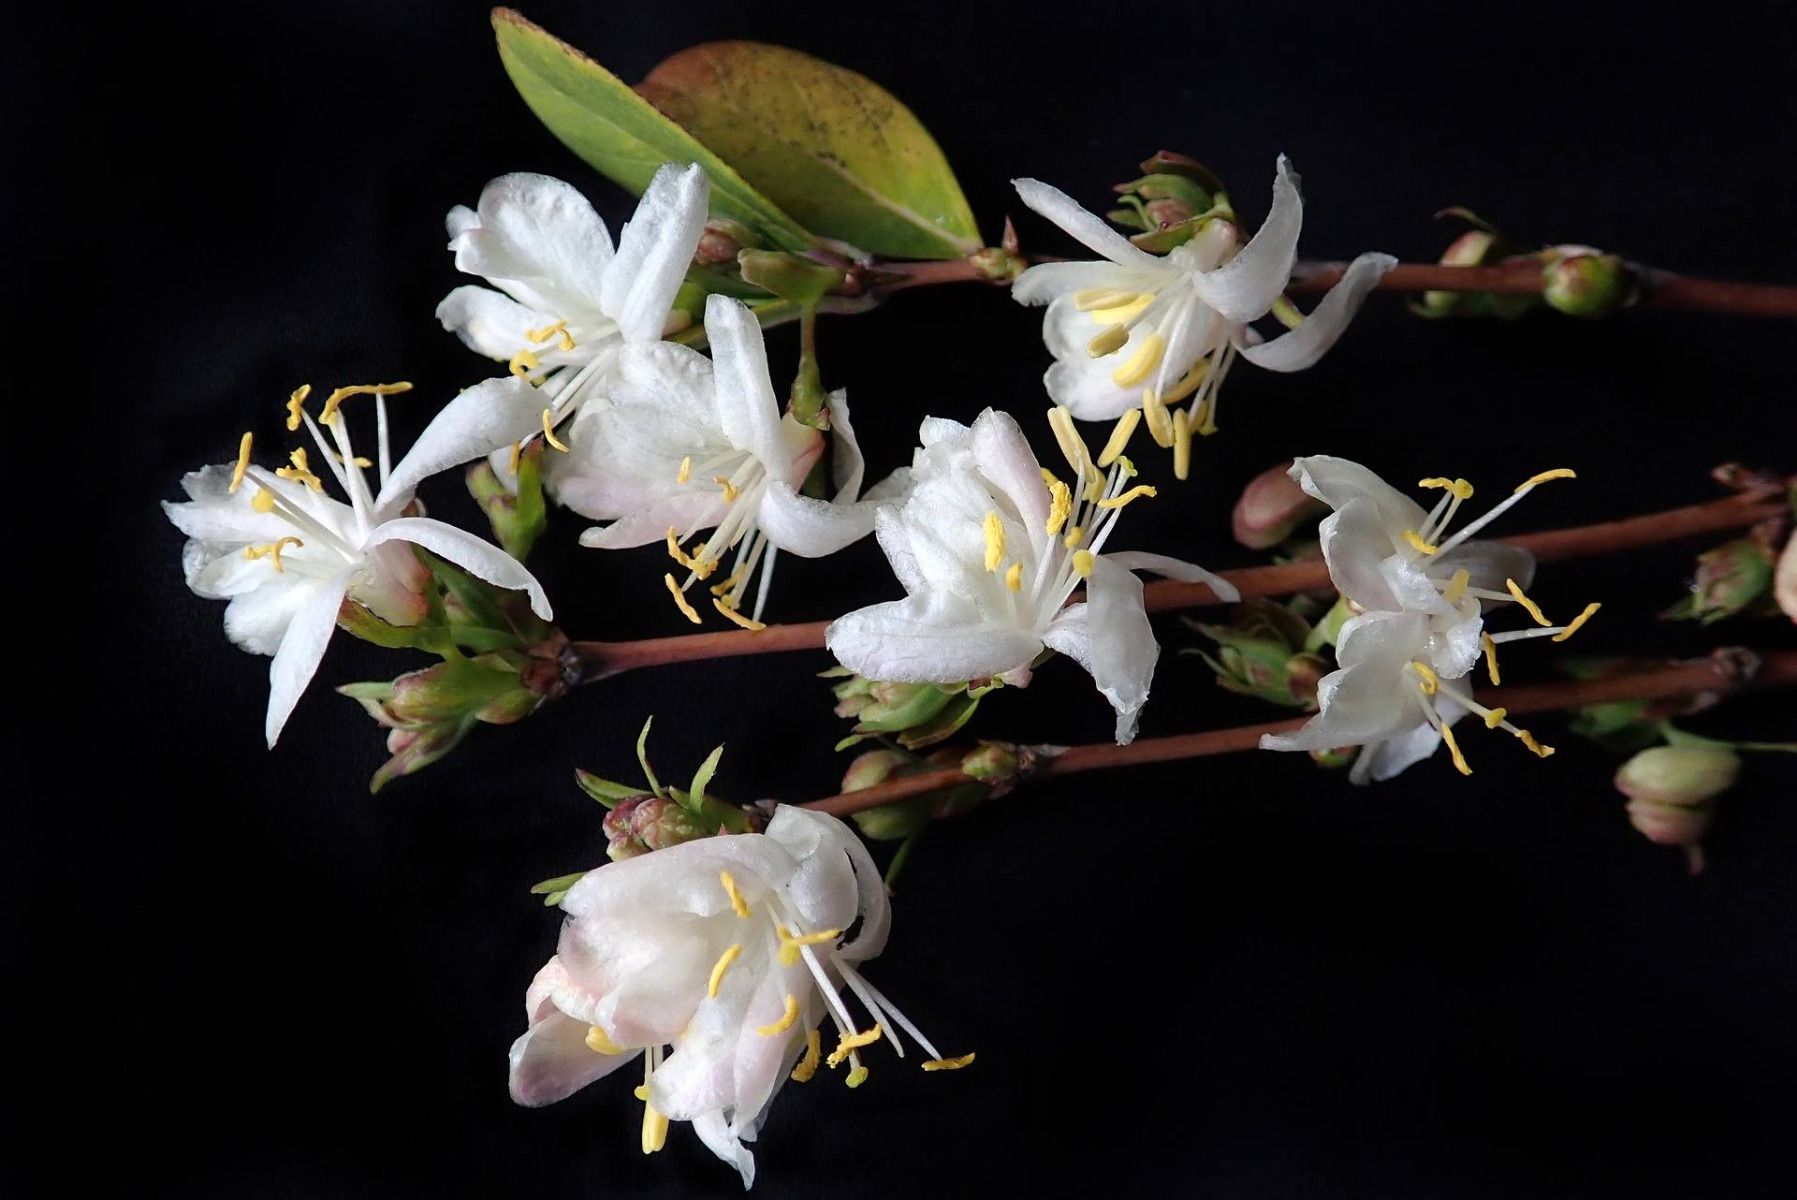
pixel 831 147
pixel 620 134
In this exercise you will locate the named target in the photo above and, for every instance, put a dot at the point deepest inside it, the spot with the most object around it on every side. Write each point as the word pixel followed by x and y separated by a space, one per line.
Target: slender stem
pixel 1724 671
pixel 587 661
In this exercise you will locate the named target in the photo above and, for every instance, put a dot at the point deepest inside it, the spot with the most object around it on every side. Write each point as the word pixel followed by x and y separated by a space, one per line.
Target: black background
pixel 1235 978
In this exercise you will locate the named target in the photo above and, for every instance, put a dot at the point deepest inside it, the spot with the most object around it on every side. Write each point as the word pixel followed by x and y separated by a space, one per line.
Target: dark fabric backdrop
pixel 1242 978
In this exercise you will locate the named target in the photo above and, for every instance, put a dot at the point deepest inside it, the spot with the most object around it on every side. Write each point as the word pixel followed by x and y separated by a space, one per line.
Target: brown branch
pixel 1723 671
pixel 584 662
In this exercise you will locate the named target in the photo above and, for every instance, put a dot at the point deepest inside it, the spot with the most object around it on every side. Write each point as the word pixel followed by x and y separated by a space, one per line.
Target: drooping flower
pixel 566 301
pixel 1137 329
pixel 1421 598
pixel 286 554
pixel 685 443
pixel 990 546
pixel 715 961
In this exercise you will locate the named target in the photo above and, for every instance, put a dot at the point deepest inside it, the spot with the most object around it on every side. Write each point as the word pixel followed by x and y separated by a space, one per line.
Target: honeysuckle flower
pixel 989 547
pixel 1421 599
pixel 567 302
pixel 1138 329
pixel 685 443
pixel 715 961
pixel 286 554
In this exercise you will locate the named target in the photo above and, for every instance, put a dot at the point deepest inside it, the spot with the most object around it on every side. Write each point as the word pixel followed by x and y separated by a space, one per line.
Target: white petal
pixel 1005 458
pixel 1087 390
pixel 722 1141
pixel 258 619
pixel 1049 281
pixel 683 512
pixel 490 322
pixel 847 467
pixel 1246 286
pixel 747 409
pixel 1488 564
pixel 540 240
pixel 489 415
pixel 1090 231
pixel 894 536
pixel 1299 348
pixel 479 558
pixel 213 513
pixel 1372 696
pixel 932 637
pixel 821 844
pixel 1175 568
pixel 302 649
pixel 1336 481
pixel 1117 639
pixel 809 527
pixel 655 250
pixel 552 1061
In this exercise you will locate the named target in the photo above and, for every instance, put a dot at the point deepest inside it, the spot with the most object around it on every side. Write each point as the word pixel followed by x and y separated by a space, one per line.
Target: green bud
pixel 1328 631
pixel 789 276
pixel 875 767
pixel 1733 578
pixel 430 711
pixel 996 764
pixel 1470 249
pixel 1260 653
pixel 891 822
pixel 723 240
pixel 1672 793
pixel 514 509
pixel 1581 282
pixel 1479 246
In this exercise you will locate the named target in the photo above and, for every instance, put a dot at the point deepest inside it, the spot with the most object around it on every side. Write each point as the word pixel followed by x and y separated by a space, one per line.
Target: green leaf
pixel 702 778
pixel 619 133
pixel 642 757
pixel 603 790
pixel 831 147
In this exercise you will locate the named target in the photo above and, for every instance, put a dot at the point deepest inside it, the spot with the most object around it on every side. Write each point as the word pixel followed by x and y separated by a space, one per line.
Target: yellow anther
pixel 1082 563
pixel 718 968
pixel 852 1042
pixel 718 589
pixel 1087 299
pixel 1123 313
pixel 1120 434
pixel 1457 586
pixel 1108 342
pixel 243 463
pixel 680 601
pixel 599 1042
pixel 1074 537
pixel 337 397
pixel 1188 383
pixel 1461 489
pixel 263 501
pixel 1529 606
pixel 300 471
pixel 1134 493
pixel 1060 505
pixel 1140 364
pixel 948 1064
pixel 1048 476
pixel 564 340
pixel 731 492
pixel 740 620
pixel 361 460
pixel 1014 577
pixel 1182 445
pixel 296 406
pixel 1202 411
pixel 700 566
pixel 1447 735
pixel 271 551
pixel 523 363
pixel 1528 739
pixel 1072 447
pixel 1418 544
pixel 791 943
pixel 641 1092
pixel 1495 717
pixel 1491 667
pixel 857 1076
pixel 655 1129
pixel 737 903
pixel 1578 622
pixel 807 1066
pixel 1556 473
pixel 517 456
pixel 549 431
pixel 1431 683
pixel 686 470
pixel 994 529
pixel 1160 425
pixel 786 1021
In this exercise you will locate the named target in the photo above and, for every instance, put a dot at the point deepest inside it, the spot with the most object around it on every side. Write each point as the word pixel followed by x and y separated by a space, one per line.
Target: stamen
pixel 1418 544
pixel 1134 493
pixel 1528 739
pixel 1188 383
pixel 857 1076
pixel 296 406
pixel 558 331
pixel 1447 735
pixel 517 456
pixel 549 432
pixel 300 471
pixel 730 489
pixel 1119 441
pixel 1160 425
pixel 1082 563
pixel 1495 717
pixel 787 1018
pixel 271 551
pixel 741 620
pixel 337 397
pixel 1431 683
pixel 737 902
pixel 791 944
pixel 1529 606
pixel 1578 622
pixel 851 1042
pixel 523 363
pixel 718 589
pixel 599 1042
pixel 1556 473
pixel 1491 667
pixel 243 463
pixel 1014 577
pixel 655 1129
pixel 686 470
pixel 1457 586
pixel 1074 537
pixel 717 970
pixel 1121 314
pixel 1108 342
pixel 1078 457
pixel 1459 488
pixel 680 601
pixel 995 540
pixel 807 1066
pixel 1142 363
pixel 948 1064
pixel 1060 505
pixel 1087 299
pixel 1182 445
pixel 263 501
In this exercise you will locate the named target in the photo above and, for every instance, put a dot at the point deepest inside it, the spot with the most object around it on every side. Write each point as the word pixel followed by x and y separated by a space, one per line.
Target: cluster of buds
pixel 1268 650
pixel 1170 202
pixel 914 714
pixel 1749 575
pixel 992 770
pixel 514 507
pixel 1579 281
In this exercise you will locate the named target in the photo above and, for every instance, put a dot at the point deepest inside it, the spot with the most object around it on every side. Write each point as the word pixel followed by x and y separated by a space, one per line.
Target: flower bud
pixel 722 241
pixel 646 823
pixel 1271 508
pixel 891 822
pixel 1260 653
pixel 918 714
pixel 1784 579
pixel 514 506
pixel 1470 249
pixel 1582 282
pixel 873 768
pixel 1672 793
pixel 430 711
pixel 1731 578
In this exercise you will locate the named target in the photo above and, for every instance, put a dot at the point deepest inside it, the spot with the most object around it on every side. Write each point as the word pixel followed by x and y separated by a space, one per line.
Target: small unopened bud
pixel 1784 579
pixel 999 264
pixel 873 768
pixel 648 823
pixel 890 822
pixel 723 240
pixel 1582 282
pixel 1672 793
pixel 1731 578
pixel 1470 249
pixel 1271 508
pixel 995 764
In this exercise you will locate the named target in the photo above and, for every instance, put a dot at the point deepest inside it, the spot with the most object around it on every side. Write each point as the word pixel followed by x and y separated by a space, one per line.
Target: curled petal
pixel 302 648
pixel 479 558
pixel 492 323
pixel 1050 281
pixel 1176 568
pixel 1110 636
pixel 487 416
pixel 747 409
pixel 1090 231
pixel 931 637
pixel 1246 286
pixel 540 240
pixel 809 527
pixel 1298 348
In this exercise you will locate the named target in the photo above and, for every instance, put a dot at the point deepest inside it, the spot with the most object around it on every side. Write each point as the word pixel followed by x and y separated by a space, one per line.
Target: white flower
pixel 685 443
pixel 285 554
pixel 1421 598
pixel 1139 329
pixel 989 546
pixel 567 302
pixel 732 950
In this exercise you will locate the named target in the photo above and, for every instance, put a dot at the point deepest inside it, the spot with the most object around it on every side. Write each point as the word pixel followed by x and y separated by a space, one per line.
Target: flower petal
pixel 1175 568
pixel 479 558
pixel 1299 348
pixel 1111 629
pixel 1050 281
pixel 1085 228
pixel 655 250
pixel 538 239
pixel 812 528
pixel 552 1061
pixel 684 512
pixel 302 648
pixel 1246 286
pixel 1006 460
pixel 1336 481
pixel 931 637
pixel 747 409
pixel 490 322
pixel 847 467
pixel 491 414
pixel 1369 698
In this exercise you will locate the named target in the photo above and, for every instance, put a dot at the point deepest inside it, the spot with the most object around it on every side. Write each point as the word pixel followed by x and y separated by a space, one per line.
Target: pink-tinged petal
pixel 302 649
pixel 1246 286
pixel 552 1061
pixel 538 239
pixel 654 251
pixel 931 637
pixel 479 558
pixel 1175 568
pixel 1299 348
pixel 485 417
pixel 1085 228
